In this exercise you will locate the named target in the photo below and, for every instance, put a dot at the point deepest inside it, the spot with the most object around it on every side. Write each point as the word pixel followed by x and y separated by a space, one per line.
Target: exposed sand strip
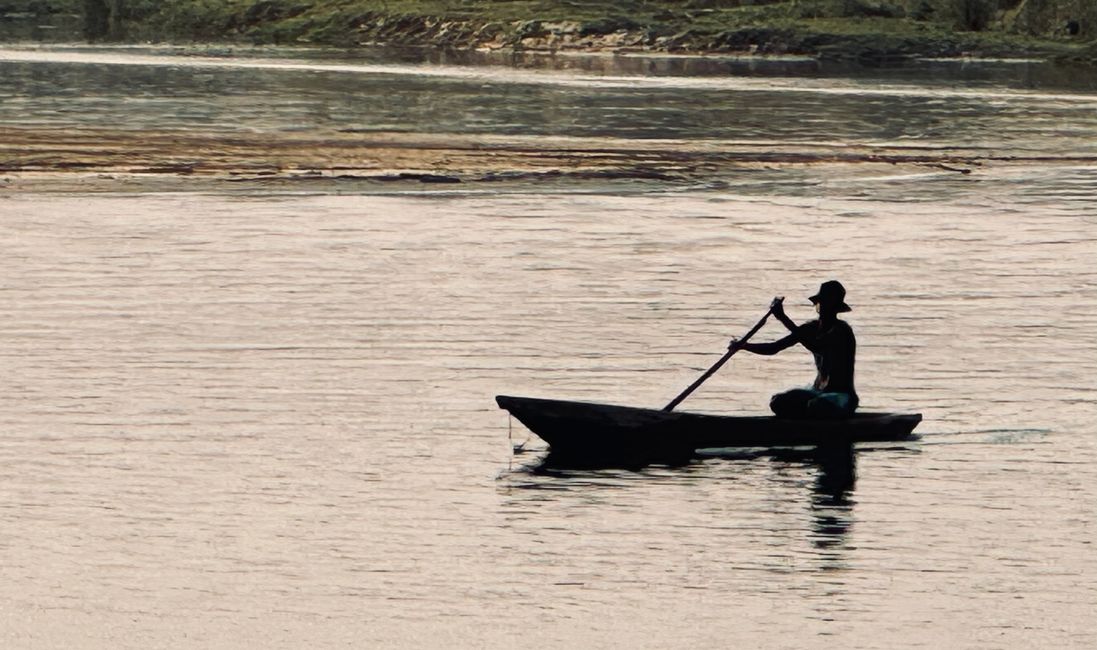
pixel 445 158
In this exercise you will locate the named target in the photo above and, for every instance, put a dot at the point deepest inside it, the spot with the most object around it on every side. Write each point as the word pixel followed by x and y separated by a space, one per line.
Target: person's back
pixel 835 350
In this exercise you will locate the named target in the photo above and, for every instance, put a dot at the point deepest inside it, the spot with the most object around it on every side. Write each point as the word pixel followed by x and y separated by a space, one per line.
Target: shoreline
pixel 94 155
pixel 216 48
pixel 653 28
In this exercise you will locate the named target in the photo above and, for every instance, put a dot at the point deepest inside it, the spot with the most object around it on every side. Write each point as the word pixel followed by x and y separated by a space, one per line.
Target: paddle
pixel 716 366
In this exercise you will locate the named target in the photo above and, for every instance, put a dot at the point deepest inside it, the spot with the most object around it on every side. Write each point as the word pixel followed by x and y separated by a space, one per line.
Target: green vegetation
pixel 827 28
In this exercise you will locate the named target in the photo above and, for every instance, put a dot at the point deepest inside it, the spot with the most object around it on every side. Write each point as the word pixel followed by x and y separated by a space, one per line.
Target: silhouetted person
pixel 832 343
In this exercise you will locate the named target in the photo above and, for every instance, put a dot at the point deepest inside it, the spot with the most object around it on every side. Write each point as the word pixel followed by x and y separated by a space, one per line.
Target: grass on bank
pixel 852 28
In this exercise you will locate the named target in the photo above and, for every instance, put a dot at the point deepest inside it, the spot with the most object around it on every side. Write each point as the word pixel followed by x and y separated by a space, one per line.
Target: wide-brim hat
pixel 833 293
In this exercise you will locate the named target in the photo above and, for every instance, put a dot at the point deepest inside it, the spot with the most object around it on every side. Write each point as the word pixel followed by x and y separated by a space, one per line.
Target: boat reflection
pixel 831 502
pixel 836 463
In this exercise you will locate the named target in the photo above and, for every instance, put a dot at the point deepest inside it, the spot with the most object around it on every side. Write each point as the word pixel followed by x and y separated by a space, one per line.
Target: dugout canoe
pixel 585 427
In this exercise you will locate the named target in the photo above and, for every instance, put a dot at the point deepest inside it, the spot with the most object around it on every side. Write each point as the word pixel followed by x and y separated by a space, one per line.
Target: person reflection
pixel 831 505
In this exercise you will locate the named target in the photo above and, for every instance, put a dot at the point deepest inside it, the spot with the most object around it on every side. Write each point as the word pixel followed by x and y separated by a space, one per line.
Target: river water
pixel 256 417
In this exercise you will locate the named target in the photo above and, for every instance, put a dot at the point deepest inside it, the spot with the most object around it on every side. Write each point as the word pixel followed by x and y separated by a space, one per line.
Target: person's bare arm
pixel 777 308
pixel 798 333
pixel 766 349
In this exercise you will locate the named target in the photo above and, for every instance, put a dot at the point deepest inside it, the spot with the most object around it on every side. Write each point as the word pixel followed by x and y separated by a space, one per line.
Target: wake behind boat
pixel 604 429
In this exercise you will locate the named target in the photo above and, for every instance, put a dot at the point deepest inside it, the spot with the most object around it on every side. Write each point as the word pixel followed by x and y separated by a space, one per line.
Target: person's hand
pixel 734 344
pixel 777 307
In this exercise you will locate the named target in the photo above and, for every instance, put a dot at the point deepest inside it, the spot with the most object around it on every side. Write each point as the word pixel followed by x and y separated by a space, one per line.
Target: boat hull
pixel 584 427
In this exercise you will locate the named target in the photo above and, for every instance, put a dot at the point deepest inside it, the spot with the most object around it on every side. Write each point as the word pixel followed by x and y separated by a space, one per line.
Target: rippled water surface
pixel 256 419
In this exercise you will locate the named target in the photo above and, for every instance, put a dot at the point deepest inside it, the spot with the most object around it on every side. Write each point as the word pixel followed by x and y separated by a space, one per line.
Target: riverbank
pixel 150 114
pixel 866 30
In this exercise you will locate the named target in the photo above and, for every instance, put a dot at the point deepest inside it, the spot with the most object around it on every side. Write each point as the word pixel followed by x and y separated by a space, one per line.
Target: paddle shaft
pixel 716 366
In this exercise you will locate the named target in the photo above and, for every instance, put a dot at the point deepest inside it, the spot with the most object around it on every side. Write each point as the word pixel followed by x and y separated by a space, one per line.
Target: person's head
pixel 831 298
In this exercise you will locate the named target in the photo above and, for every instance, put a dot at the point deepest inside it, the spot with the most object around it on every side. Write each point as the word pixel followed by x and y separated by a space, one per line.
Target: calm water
pixel 255 419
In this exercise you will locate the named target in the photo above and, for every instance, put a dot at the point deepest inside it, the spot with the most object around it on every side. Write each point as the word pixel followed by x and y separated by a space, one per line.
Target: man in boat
pixel 832 343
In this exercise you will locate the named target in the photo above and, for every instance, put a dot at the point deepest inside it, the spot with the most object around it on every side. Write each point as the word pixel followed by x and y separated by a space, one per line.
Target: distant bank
pixel 869 30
